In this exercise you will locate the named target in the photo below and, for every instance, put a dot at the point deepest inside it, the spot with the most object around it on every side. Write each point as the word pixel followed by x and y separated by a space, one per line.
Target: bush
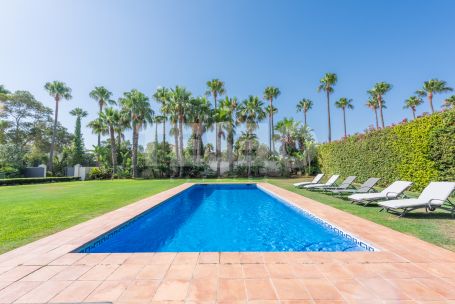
pixel 99 173
pixel 420 151
pixel 36 180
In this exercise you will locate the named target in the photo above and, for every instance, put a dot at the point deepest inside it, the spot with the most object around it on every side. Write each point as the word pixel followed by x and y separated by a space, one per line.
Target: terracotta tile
pixel 44 292
pixel 306 271
pixel 209 258
pixel 99 272
pixel 206 271
pixel 180 272
pixel 229 257
pixel 275 257
pixel 383 289
pixel 108 291
pixel 68 259
pixel 230 271
pixel 92 259
pixel 140 258
pixel 415 290
pixel 139 292
pixel 16 290
pixel 251 258
pixel 353 291
pixel 334 270
pixel 116 258
pixel 231 290
pixel 163 258
pixel 76 292
pixel 321 289
pixel 290 289
pixel 175 290
pixel 254 271
pixel 203 290
pixel 71 273
pixel 260 289
pixel 186 258
pixel 125 272
pixel 153 272
pixel 44 273
pixel 280 270
pixel 17 273
pixel 447 290
pixel 298 302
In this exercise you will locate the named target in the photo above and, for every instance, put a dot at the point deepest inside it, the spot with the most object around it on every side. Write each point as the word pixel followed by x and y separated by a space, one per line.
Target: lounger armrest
pixel 437 200
pixel 387 194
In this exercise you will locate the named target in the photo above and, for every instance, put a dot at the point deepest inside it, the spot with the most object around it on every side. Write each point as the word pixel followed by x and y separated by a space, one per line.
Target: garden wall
pixel 420 151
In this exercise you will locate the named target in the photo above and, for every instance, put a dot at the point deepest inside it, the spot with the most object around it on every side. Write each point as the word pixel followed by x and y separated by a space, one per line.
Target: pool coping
pixel 406 268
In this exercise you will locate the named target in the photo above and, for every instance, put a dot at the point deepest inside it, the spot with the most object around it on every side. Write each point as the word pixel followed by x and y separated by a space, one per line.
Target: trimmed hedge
pixel 420 151
pixel 36 180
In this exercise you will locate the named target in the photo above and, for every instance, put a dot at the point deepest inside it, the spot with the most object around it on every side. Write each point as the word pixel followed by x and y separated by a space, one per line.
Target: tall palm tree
pixel 412 103
pixel 432 87
pixel 229 108
pixel 344 103
pixel 215 87
pixel 287 128
pixel 450 102
pixel 109 118
pixel 58 90
pixel 378 91
pixel 373 104
pixel 326 84
pixel 304 105
pixel 103 97
pixel 136 104
pixel 162 96
pixel 251 112
pixel 200 116
pixel 271 93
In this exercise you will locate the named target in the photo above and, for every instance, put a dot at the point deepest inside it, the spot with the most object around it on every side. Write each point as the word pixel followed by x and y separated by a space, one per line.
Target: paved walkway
pixel 406 270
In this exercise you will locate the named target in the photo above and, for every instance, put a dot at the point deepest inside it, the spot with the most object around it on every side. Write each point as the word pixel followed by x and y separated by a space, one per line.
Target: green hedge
pixel 35 180
pixel 420 151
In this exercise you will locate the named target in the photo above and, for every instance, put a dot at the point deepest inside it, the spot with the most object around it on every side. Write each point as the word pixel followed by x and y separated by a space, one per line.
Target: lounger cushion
pixel 404 203
pixel 367 196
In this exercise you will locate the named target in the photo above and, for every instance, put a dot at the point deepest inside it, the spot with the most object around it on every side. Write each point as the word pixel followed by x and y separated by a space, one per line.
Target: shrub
pixel 420 151
pixel 36 180
pixel 99 173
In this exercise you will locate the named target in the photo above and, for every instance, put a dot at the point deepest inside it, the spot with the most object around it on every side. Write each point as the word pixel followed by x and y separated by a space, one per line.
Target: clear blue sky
pixel 248 44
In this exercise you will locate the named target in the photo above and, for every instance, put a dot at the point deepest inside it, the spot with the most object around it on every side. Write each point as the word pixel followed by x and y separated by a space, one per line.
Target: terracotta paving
pixel 405 270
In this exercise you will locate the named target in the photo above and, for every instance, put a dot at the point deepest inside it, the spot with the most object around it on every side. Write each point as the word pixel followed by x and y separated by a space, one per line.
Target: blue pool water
pixel 238 217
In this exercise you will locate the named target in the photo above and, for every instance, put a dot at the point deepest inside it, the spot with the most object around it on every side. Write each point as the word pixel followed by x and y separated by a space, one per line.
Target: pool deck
pixel 405 270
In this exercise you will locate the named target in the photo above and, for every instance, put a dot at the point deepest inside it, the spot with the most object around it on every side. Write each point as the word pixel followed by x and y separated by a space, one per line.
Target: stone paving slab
pixel 405 270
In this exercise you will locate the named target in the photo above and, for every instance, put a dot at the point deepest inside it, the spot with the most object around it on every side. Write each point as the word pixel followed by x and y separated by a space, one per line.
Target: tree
pixel 78 141
pixel 138 109
pixel 200 117
pixel 304 105
pixel 344 103
pixel 432 87
pixel 326 84
pixel 3 96
pixel 287 130
pixel 215 87
pixel 412 103
pixel 103 97
pixel 108 118
pixel 378 91
pixel 228 112
pixel 373 104
pixel 271 93
pixel 162 96
pixel 450 102
pixel 251 112
pixel 58 90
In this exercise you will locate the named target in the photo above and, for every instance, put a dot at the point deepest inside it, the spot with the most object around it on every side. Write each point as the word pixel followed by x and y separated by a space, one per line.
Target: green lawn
pixel 30 212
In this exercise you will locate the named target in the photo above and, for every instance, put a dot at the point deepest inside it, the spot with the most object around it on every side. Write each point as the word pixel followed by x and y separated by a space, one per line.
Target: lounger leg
pixel 382 209
pixel 404 212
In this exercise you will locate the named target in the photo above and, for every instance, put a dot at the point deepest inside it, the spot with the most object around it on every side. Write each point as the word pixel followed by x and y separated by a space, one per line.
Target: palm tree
pixel 304 105
pixel 378 91
pixel 432 87
pixel 251 112
pixel 103 97
pixel 162 96
pixel 215 87
pixel 109 118
pixel 229 108
pixel 287 128
pixel 200 116
pixel 136 104
pixel 326 84
pixel 271 111
pixel 373 104
pixel 58 90
pixel 412 103
pixel 344 103
pixel 271 93
pixel 450 102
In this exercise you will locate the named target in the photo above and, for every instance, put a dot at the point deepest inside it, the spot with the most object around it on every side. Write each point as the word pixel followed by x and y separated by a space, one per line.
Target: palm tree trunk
pixel 99 134
pixel 113 151
pixel 304 117
pixel 273 131
pixel 249 156
pixel 430 100
pixel 230 144
pixel 413 113
pixel 195 142
pixel 199 139
pixel 270 125
pixel 155 151
pixel 328 116
pixel 218 150
pixel 181 145
pixel 134 151
pixel 54 133
pixel 380 111
pixel 376 117
pixel 344 122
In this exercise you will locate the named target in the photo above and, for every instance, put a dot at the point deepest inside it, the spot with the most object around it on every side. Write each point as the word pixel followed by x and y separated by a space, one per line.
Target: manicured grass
pixel 30 212
pixel 436 227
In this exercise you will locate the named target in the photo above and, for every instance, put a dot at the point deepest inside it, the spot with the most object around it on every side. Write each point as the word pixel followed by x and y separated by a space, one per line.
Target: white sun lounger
pixel 395 190
pixel 366 187
pixel 315 180
pixel 329 183
pixel 435 195
pixel 346 184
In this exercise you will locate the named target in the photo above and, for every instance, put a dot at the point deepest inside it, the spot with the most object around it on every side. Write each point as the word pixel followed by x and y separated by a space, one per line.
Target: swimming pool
pixel 224 217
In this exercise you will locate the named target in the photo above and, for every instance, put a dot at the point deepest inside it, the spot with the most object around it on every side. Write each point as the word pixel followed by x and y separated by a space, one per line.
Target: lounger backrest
pixel 397 188
pixel 347 182
pixel 437 191
pixel 317 178
pixel 332 180
pixel 366 186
